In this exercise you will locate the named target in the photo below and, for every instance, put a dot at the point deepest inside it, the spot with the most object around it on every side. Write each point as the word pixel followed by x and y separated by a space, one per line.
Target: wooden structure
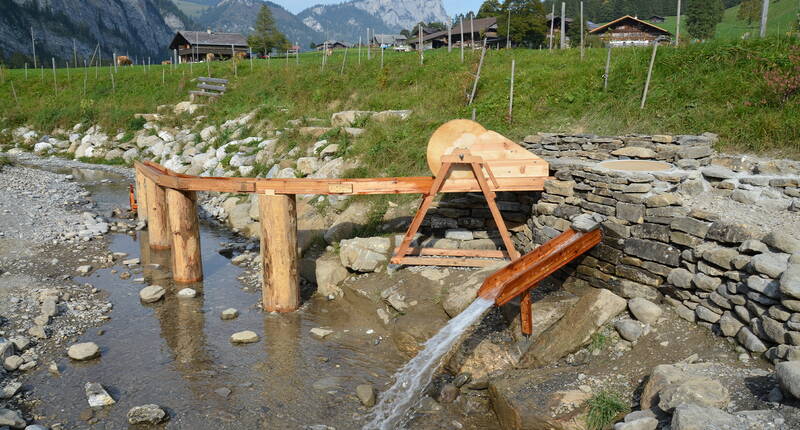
pixel 558 24
pixel 331 44
pixel 524 274
pixel 630 31
pixel 209 87
pixel 462 152
pixel 196 46
pixel 477 30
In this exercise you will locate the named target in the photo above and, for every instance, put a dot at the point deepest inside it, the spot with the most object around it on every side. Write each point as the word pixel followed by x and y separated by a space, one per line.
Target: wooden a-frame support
pixel 457 257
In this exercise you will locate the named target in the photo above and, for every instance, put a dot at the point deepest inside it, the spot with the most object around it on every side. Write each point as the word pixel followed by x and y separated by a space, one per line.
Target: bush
pixel 785 83
pixel 604 409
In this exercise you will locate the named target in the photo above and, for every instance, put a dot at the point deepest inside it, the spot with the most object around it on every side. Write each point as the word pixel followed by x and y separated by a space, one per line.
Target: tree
pixel 266 35
pixel 702 17
pixel 489 8
pixel 750 10
pixel 528 23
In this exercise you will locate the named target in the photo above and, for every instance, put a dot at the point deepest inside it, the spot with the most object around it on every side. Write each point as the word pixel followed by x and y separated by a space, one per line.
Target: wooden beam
pixel 434 261
pixel 526 313
pixel 279 256
pixel 187 262
pixel 157 220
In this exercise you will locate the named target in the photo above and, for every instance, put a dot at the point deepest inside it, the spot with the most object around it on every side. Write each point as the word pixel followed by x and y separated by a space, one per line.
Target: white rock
pixel 246 336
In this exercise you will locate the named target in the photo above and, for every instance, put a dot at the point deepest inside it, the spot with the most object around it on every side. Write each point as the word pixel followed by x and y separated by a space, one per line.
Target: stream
pixel 176 353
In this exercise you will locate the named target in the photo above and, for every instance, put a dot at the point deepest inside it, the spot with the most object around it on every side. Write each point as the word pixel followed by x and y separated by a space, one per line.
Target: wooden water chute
pixel 524 274
pixel 465 156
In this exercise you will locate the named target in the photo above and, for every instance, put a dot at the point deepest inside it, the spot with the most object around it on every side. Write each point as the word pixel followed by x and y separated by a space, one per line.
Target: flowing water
pixel 411 379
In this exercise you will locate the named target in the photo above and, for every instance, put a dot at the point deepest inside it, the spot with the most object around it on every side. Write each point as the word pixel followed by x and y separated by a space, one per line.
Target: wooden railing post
pixel 187 262
pixel 279 257
pixel 157 220
pixel 141 196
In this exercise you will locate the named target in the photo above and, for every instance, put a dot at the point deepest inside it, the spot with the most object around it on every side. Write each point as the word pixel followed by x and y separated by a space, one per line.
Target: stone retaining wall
pixel 738 279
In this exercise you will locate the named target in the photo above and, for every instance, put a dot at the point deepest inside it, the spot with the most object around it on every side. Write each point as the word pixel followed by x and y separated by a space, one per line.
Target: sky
pixel 452 7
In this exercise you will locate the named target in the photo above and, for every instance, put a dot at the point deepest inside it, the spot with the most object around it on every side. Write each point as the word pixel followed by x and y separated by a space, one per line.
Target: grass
pixel 716 87
pixel 598 341
pixel 782 15
pixel 4 161
pixel 604 409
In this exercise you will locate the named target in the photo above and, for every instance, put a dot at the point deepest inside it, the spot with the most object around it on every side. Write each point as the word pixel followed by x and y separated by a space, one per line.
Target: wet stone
pixel 244 337
pixel 229 314
pixel 146 414
pixel 366 395
pixel 83 351
pixel 448 394
pixel 11 419
pixel 152 294
pixel 97 395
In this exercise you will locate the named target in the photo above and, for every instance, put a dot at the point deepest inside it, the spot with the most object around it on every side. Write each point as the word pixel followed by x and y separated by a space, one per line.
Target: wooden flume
pixel 464 156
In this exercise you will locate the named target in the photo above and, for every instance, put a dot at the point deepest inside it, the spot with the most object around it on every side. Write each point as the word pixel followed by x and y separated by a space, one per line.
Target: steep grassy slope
pixel 716 87
pixel 782 15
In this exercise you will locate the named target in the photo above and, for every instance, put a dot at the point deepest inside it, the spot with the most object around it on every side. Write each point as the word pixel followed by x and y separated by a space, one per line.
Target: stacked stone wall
pixel 738 279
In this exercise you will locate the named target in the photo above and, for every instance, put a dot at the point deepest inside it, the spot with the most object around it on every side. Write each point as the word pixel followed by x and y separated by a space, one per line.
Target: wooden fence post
pixel 157 220
pixel 281 283
pixel 187 263
pixel 649 74
pixel 478 76
pixel 511 94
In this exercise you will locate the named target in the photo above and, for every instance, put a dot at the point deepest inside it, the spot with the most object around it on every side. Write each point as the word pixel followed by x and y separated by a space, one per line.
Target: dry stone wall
pixel 715 236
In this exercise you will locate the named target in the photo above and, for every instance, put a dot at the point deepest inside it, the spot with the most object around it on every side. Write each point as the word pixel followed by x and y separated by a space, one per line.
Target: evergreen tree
pixel 489 8
pixel 528 23
pixel 702 17
pixel 266 35
pixel 750 11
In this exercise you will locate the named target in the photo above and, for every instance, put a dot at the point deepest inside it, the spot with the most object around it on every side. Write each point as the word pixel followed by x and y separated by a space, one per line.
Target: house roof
pixel 549 17
pixel 479 25
pixel 333 43
pixel 605 27
pixel 209 38
pixel 389 38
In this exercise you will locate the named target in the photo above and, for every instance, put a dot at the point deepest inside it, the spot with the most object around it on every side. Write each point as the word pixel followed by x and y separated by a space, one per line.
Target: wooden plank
pixel 141 196
pixel 443 261
pixel 211 87
pixel 213 80
pixel 485 253
pixel 526 314
pixel 281 280
pixel 187 262
pixel 204 93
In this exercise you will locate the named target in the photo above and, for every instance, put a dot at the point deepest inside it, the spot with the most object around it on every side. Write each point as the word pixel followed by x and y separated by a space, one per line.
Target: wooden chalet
pixel 388 40
pixel 480 29
pixel 193 46
pixel 630 31
pixel 331 44
pixel 556 23
pixel 657 18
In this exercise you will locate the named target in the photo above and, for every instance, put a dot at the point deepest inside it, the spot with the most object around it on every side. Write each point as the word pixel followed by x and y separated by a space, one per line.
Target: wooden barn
pixel 480 29
pixel 196 46
pixel 630 31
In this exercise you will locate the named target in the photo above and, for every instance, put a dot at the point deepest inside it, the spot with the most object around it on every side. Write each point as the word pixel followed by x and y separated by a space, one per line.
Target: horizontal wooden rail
pixel 405 185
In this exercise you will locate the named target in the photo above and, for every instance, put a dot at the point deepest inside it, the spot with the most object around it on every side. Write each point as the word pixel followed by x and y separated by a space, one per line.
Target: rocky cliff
pixel 133 27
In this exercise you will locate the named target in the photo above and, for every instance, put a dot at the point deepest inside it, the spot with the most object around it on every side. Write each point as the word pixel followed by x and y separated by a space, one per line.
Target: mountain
pixel 239 16
pixel 346 21
pixel 141 28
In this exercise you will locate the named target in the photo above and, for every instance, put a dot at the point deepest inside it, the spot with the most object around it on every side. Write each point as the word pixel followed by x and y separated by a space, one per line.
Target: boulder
pixel 364 254
pixel 694 417
pixel 459 297
pixel 346 222
pixel 770 264
pixel 575 329
pixel 329 273
pixel 701 391
pixel 307 165
pixel 629 330
pixel 790 281
pixel 665 375
pixel 788 375
pixel 11 418
pixel 411 330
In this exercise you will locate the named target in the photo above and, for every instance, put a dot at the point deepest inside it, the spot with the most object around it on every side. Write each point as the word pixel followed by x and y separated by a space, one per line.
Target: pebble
pixel 146 414
pixel 246 336
pixel 97 395
pixel 187 293
pixel 320 332
pixel 229 314
pixel 366 394
pixel 151 294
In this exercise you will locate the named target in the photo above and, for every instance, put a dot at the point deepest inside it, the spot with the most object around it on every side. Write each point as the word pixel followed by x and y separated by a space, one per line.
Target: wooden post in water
pixel 649 73
pixel 141 196
pixel 157 220
pixel 281 283
pixel 187 263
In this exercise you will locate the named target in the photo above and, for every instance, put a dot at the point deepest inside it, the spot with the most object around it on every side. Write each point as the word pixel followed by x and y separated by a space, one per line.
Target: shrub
pixel 604 408
pixel 785 83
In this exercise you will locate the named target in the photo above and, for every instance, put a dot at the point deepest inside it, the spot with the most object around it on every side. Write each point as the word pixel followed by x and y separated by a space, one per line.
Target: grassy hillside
pixel 716 87
pixel 782 15
pixel 191 8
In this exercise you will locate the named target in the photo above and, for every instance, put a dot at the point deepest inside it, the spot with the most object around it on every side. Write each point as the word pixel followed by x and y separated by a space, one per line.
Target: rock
pixel 790 281
pixel 730 232
pixel 347 118
pixel 146 414
pixel 694 417
pixel 782 242
pixel 346 222
pixel 750 341
pixel 384 116
pixel 652 250
pixel 187 293
pixel 718 172
pixel 97 395
pixel 366 394
pixel 11 419
pixel 320 332
pixel 364 255
pixel 482 359
pixel 643 423
pixel 629 330
pixel 634 152
pixel 13 363
pixel 448 394
pixel 458 298
pixel 458 234
pixel 223 392
pixel 83 351
pixel 680 278
pixel 229 314
pixel 560 188
pixel 729 324
pixel 788 375
pixel 644 310
pixel 84 270
pixel 152 294
pixel 772 265
pixel 575 328
pixel 586 223
pixel 330 273
pixel 246 336
pixel 10 390
pixel 701 391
